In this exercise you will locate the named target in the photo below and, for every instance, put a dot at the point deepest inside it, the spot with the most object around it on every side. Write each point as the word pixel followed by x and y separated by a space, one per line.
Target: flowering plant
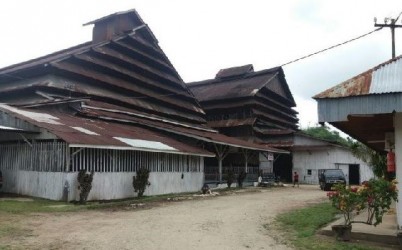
pixel 375 195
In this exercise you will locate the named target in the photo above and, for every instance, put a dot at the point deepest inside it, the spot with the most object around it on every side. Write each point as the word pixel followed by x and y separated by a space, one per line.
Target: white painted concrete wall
pixel 398 159
pixel 266 165
pixel 105 186
pixel 333 157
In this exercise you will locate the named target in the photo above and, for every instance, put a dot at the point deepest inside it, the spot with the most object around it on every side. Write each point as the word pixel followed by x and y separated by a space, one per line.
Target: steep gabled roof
pixel 243 81
pixel 130 69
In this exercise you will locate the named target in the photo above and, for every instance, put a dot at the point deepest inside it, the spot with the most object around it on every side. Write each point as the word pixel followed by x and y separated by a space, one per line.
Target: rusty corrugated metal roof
pixel 195 133
pixel 231 123
pixel 384 78
pixel 85 132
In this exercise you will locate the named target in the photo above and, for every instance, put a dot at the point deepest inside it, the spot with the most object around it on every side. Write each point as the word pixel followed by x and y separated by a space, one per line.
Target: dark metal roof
pixel 198 133
pixel 234 71
pixel 129 70
pixel 246 85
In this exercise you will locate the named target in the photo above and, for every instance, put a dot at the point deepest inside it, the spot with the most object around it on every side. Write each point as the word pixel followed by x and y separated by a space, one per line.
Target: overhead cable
pixel 332 47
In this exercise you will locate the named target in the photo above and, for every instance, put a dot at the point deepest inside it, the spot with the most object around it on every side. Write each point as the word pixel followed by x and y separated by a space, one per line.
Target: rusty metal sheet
pixel 178 130
pixel 231 123
pixel 266 131
pixel 358 85
pixel 384 78
pixel 84 132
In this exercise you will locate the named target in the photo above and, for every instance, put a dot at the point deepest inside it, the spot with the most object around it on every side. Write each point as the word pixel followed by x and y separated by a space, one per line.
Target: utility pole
pixel 392 25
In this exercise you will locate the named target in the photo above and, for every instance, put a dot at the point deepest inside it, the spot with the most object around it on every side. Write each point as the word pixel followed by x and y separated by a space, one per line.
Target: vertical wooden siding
pixel 108 160
pixel 37 156
pixel 54 155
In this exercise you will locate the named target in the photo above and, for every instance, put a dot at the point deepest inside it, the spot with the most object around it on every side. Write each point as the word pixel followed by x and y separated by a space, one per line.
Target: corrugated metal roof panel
pixel 100 134
pixel 202 135
pixel 387 79
pixel 384 78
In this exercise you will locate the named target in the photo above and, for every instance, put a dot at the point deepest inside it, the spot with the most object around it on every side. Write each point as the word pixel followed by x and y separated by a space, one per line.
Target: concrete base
pixel 384 233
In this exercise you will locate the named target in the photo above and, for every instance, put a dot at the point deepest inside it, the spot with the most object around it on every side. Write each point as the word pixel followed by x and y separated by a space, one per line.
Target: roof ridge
pixel 222 80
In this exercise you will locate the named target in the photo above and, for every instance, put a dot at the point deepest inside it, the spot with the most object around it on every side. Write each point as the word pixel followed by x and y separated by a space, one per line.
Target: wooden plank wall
pixel 52 157
pixel 108 160
pixel 37 156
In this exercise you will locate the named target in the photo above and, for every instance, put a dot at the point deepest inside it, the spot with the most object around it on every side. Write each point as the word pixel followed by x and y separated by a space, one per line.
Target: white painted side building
pixel 311 155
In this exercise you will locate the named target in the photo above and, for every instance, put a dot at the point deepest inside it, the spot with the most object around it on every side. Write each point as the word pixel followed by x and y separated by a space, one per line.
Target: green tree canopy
pixel 324 133
pixel 376 160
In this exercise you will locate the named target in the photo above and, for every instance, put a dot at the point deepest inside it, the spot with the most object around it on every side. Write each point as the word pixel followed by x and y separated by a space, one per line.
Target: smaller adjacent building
pixel 369 108
pixel 254 106
pixel 311 156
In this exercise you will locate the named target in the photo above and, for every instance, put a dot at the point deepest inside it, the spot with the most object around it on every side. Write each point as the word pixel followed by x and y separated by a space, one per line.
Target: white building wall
pixel 398 159
pixel 329 158
pixel 266 164
pixel 105 186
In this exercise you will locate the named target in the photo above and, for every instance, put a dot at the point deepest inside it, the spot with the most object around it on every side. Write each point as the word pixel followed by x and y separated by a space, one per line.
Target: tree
pixel 140 182
pixel 85 184
pixel 324 133
pixel 374 159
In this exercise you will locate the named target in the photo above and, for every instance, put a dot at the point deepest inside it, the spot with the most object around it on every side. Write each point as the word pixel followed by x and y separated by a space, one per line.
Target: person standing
pixel 295 179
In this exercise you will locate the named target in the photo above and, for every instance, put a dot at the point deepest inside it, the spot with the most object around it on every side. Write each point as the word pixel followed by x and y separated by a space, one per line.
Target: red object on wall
pixel 391 161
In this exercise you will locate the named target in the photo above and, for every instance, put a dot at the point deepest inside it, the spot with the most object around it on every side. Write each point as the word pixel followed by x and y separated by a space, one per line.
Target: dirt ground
pixel 233 221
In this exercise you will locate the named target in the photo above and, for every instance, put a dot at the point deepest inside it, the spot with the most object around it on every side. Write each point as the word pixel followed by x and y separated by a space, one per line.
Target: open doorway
pixel 354 174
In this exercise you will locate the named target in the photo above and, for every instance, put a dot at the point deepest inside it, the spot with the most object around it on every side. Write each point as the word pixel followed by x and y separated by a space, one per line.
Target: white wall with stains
pixel 105 186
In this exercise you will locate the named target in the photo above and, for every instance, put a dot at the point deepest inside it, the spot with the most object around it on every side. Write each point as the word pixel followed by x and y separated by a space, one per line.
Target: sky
pixel 201 37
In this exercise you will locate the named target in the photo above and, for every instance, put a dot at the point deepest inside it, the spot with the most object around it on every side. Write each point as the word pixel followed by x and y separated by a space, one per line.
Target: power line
pixel 332 47
pixel 392 26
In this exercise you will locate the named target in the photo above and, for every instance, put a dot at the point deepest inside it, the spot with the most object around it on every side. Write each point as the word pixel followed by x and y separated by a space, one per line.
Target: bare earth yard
pixel 234 221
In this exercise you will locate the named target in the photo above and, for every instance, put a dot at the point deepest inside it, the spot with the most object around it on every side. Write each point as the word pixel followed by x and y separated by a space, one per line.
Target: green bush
pixel 85 184
pixel 240 178
pixel 140 181
pixel 230 177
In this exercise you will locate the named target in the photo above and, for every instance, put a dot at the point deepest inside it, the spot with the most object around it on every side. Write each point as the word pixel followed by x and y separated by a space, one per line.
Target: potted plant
pixel 375 197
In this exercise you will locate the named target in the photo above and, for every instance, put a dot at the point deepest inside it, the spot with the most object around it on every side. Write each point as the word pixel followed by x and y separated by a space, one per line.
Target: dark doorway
pixel 283 167
pixel 354 174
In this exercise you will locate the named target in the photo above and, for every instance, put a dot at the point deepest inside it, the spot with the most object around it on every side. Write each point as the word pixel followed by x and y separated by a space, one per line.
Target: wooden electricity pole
pixel 391 25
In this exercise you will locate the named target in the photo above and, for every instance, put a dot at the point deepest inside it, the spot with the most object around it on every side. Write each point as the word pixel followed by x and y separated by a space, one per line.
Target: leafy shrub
pixel 85 184
pixel 375 195
pixel 230 177
pixel 140 181
pixel 240 178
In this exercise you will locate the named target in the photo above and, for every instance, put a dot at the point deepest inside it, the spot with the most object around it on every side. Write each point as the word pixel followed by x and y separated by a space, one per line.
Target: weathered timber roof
pixel 239 82
pixel 384 78
pixel 129 70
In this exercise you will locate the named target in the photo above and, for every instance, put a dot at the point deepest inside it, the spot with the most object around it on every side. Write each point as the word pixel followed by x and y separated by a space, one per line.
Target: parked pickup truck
pixel 330 177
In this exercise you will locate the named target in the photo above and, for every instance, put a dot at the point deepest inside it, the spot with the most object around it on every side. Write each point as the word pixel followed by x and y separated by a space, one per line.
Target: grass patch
pixel 299 227
pixel 37 205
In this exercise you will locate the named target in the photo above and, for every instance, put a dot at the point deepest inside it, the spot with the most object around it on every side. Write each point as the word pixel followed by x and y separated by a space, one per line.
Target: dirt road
pixel 227 222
